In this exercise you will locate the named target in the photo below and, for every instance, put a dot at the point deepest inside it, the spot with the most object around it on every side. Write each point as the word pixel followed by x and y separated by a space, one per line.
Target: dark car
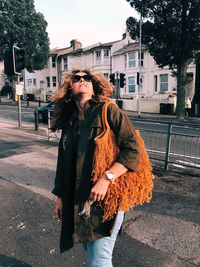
pixel 43 111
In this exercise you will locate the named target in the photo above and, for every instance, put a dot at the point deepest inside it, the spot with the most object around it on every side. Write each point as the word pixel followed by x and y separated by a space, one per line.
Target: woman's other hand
pixel 58 207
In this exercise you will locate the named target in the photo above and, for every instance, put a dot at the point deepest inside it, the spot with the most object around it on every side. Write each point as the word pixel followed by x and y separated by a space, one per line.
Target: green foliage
pixel 171 33
pixel 6 89
pixel 20 24
pixel 171 30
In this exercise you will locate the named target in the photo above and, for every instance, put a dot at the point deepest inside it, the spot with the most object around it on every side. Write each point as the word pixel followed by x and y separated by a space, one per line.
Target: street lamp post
pixel 140 60
pixel 131 2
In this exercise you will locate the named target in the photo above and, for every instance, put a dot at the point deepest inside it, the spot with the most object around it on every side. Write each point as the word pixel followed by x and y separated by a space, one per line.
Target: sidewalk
pixel 30 236
pixel 163 233
pixel 162 117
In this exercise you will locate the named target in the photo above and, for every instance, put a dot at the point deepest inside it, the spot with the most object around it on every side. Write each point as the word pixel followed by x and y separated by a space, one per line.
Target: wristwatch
pixel 109 175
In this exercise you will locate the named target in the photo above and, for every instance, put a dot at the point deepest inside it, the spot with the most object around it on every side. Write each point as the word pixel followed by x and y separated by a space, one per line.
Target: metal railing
pixel 168 142
pixel 171 142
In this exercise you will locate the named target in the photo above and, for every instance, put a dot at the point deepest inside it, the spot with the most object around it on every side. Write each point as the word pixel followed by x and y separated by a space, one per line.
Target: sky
pixel 88 21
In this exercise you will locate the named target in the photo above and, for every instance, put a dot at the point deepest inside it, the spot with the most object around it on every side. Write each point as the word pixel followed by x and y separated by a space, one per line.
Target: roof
pixel 128 48
pixel 70 51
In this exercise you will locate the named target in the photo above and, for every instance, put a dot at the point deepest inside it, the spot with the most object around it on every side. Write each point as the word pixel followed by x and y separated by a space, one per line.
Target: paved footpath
pixel 164 233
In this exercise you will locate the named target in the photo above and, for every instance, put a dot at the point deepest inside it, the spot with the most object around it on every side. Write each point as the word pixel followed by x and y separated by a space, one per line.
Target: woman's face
pixel 82 84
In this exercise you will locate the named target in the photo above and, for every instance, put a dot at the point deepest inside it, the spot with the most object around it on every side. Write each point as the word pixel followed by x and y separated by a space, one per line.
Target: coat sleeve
pixel 58 189
pixel 125 137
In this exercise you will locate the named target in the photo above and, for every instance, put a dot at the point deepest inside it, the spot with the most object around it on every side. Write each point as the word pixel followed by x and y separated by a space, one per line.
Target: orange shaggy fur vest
pixel 131 188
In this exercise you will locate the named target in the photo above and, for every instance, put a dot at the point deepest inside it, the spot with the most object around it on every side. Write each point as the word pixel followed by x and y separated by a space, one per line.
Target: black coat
pixel 74 167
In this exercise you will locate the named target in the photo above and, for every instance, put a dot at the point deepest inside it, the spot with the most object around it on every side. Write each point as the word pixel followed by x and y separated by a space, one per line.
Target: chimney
pixel 75 44
pixel 126 34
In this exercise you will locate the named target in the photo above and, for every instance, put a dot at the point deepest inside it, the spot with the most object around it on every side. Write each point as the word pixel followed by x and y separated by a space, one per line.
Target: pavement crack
pixel 128 222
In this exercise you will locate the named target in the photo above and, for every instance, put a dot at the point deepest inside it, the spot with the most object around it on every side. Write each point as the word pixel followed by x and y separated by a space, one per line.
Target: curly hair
pixel 101 86
pixel 64 107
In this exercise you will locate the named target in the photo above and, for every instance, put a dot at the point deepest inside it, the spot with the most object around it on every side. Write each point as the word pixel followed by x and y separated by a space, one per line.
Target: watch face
pixel 110 175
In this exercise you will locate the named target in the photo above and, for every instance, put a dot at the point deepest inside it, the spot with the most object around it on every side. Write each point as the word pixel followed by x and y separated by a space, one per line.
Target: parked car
pixel 43 111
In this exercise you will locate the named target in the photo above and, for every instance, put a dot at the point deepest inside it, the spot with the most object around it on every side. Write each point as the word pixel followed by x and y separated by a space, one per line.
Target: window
pixel 98 57
pixel 53 61
pixel 142 59
pixel 155 83
pixel 65 63
pixel 54 81
pixel 163 82
pixel 125 59
pixel 105 52
pixel 98 54
pixel 131 59
pixel 48 81
pixel 29 82
pixel 131 84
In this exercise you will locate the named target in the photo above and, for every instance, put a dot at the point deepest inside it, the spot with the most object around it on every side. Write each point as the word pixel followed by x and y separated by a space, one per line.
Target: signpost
pixel 19 92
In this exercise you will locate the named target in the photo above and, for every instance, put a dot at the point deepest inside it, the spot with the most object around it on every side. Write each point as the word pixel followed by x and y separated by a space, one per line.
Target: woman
pixel 78 114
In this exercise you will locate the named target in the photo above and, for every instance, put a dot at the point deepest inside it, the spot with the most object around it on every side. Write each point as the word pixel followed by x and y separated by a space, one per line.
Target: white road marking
pixel 189 163
pixel 173 154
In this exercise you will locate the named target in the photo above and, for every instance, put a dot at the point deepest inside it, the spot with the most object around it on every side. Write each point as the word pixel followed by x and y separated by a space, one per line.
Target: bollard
pixel 168 146
pixel 36 121
pixel 39 102
pixel 27 101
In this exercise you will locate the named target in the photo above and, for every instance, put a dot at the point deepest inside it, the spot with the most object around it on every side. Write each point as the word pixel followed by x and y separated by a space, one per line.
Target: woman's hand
pixel 58 207
pixel 99 190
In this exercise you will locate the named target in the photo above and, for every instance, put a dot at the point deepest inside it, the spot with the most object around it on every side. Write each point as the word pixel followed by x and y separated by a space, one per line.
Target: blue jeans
pixel 99 252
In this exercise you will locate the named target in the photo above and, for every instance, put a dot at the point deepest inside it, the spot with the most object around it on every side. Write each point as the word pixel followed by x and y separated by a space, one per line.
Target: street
pixel 160 234
pixel 184 150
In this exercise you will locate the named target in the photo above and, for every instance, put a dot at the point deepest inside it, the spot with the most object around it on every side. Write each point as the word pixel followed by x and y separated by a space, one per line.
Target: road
pixel 164 233
pixel 184 150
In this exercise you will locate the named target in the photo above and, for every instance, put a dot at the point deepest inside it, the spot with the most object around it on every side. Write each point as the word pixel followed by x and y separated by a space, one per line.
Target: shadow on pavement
pixel 129 252
pixel 6 261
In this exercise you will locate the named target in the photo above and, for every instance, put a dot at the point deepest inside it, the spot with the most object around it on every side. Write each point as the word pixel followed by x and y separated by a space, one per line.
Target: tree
pixel 171 33
pixel 6 89
pixel 20 24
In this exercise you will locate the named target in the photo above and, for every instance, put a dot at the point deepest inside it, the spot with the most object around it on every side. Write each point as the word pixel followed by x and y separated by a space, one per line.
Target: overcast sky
pixel 89 21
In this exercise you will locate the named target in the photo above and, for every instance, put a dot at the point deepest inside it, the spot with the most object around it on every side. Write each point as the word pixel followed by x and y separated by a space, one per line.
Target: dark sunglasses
pixel 77 78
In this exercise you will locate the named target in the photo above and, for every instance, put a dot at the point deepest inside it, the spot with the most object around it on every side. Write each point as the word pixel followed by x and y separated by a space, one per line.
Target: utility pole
pixel 19 87
pixel 140 65
pixel 19 103
pixel 131 2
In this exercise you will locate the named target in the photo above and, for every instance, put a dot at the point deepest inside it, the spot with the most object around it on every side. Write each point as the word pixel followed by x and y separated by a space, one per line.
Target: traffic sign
pixel 19 89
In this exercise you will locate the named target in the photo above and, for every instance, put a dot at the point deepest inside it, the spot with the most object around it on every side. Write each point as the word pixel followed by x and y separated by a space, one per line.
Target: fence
pixel 171 143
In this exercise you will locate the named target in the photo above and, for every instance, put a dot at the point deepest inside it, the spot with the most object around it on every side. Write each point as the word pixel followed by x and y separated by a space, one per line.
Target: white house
pixel 96 57
pixel 159 86
pixel 44 83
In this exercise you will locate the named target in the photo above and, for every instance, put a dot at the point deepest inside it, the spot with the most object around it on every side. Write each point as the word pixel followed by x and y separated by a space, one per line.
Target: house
pixel 158 84
pixel 44 83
